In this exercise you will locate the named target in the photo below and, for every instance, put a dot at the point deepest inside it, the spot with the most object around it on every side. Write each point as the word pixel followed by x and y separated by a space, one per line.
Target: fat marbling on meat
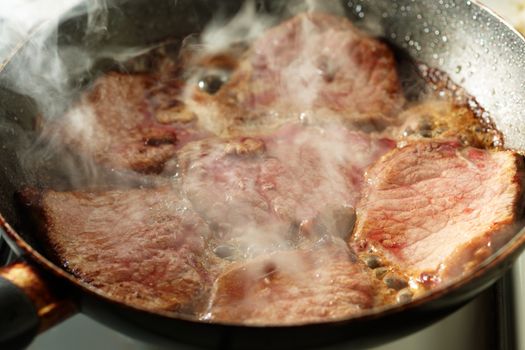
pixel 313 66
pixel 314 283
pixel 437 209
pixel 145 247
pixel 114 123
pixel 257 190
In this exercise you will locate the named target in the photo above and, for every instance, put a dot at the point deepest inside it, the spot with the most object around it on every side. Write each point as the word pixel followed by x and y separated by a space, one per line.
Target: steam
pixel 41 63
pixel 334 7
pixel 249 24
pixel 245 27
pixel 29 35
pixel 245 215
pixel 297 191
pixel 43 70
pixel 20 18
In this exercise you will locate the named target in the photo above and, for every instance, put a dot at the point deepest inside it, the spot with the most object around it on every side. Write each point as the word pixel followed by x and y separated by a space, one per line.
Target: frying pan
pixel 472 45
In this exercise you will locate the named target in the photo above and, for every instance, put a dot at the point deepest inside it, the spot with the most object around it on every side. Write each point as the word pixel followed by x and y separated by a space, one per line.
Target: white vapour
pixel 246 26
pixel 32 62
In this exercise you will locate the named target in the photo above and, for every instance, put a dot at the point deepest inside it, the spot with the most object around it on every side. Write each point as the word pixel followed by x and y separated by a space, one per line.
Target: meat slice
pixel 438 209
pixel 322 282
pixel 117 123
pixel 313 66
pixel 143 247
pixel 257 191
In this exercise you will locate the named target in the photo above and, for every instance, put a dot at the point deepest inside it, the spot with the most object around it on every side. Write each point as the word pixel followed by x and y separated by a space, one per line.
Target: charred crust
pixel 156 141
pixel 519 181
pixel 245 147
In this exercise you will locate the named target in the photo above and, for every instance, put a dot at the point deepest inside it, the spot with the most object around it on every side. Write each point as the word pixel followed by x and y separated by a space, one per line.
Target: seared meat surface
pixel 139 121
pixel 322 281
pixel 313 66
pixel 438 209
pixel 256 190
pixel 144 247
pixel 114 124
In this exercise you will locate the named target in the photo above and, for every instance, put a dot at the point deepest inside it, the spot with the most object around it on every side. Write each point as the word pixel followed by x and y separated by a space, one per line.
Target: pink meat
pixel 115 123
pixel 143 247
pixel 438 209
pixel 259 189
pixel 317 60
pixel 300 286
pixel 314 66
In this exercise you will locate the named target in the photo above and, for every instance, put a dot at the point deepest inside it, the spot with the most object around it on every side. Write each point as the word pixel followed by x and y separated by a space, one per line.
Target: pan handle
pixel 28 305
